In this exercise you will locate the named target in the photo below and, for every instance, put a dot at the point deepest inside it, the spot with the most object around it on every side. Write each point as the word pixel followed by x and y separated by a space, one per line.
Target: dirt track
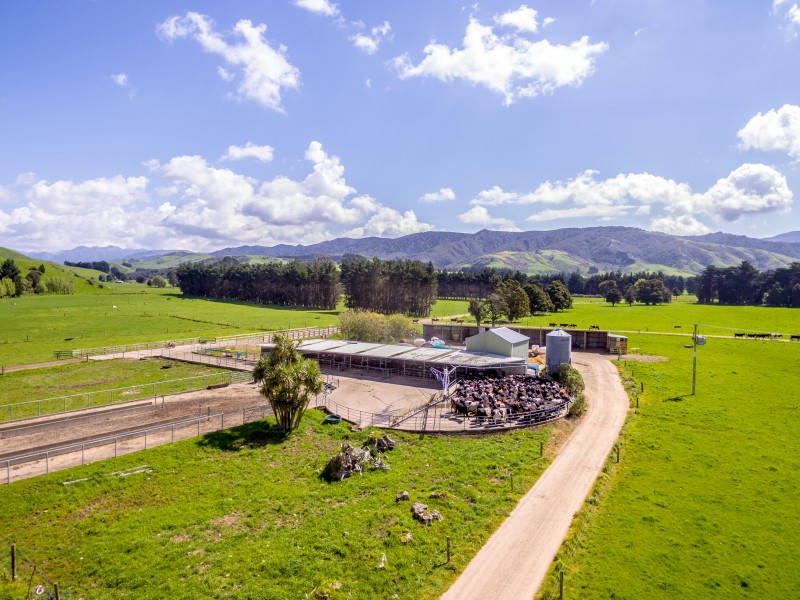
pixel 515 560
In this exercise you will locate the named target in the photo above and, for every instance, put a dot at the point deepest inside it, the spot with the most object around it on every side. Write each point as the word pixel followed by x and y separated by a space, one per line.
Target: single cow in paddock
pixel 739 335
pixel 794 337
pixel 594 326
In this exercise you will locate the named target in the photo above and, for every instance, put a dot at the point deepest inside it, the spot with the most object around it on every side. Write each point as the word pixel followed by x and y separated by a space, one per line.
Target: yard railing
pixel 64 457
pixel 74 402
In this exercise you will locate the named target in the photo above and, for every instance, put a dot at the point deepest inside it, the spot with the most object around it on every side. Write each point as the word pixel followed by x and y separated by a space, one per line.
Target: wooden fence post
pixel 57 591
pixel 13 562
pixel 561 585
pixel 448 548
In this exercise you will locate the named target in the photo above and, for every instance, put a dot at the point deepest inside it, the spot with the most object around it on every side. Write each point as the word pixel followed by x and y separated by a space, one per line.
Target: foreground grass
pixel 91 376
pixel 703 503
pixel 245 514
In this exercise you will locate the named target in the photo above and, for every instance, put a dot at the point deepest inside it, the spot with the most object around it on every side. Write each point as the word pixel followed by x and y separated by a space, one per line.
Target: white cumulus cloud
pixel 443 195
pixel 265 72
pixel 773 130
pixel 511 65
pixel 478 215
pixel 320 7
pixel 750 189
pixel 249 150
pixel 523 19
pixel 388 222
pixel 369 43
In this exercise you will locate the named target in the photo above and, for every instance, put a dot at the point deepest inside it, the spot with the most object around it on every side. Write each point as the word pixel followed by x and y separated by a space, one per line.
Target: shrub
pixel 572 379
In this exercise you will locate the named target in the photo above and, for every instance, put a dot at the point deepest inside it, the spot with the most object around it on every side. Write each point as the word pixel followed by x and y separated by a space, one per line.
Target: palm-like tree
pixel 288 382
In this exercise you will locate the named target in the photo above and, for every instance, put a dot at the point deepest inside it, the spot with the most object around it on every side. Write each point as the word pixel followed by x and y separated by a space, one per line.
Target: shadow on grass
pixel 676 398
pixel 251 435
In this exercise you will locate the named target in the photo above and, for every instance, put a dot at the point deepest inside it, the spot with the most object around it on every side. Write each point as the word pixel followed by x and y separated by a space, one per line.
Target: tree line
pixel 302 284
pixel 405 287
pixel 467 284
pixel 746 285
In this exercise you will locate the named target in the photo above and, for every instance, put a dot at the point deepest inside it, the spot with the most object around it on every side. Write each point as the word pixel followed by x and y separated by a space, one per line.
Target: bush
pixel 572 380
pixel 366 326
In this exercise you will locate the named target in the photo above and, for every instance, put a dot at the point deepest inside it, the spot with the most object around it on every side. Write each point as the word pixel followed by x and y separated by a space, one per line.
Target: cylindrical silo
pixel 559 350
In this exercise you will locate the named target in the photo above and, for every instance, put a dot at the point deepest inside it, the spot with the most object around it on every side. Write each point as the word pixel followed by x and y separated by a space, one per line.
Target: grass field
pixel 33 327
pixel 82 385
pixel 703 503
pixel 244 514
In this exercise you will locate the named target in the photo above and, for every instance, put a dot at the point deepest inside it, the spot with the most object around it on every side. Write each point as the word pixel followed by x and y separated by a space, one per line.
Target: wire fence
pixel 24 570
pixel 65 457
pixel 74 402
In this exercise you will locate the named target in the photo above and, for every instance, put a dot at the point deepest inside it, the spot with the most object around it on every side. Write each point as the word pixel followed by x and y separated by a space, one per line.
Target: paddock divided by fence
pixel 74 402
pixel 64 457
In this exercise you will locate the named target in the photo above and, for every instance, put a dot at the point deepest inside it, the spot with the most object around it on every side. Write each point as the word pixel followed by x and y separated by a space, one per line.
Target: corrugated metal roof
pixel 509 335
pixel 355 348
pixel 320 345
pixel 389 351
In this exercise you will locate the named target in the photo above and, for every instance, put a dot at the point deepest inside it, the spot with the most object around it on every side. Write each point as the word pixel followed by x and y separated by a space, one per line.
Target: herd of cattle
pixel 498 398
pixel 761 336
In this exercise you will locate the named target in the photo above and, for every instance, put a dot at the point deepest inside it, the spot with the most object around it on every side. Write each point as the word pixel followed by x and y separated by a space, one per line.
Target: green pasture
pixel 33 327
pixel 85 383
pixel 244 513
pixel 678 316
pixel 703 503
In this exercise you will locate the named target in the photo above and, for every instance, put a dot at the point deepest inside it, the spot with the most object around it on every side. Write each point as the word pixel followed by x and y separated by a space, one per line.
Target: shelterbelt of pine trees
pixel 300 284
pixel 388 286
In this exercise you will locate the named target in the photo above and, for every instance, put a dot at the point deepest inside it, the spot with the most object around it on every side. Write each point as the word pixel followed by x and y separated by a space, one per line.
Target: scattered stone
pixel 383 562
pixel 423 515
pixel 402 496
pixel 406 538
pixel 347 462
pixel 384 443
pixel 438 494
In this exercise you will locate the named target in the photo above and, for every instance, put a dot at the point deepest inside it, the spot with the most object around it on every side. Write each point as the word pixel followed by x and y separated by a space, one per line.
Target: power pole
pixel 694 361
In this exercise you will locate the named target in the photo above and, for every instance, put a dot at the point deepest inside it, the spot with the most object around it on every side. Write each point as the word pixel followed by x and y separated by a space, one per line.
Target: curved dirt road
pixel 515 560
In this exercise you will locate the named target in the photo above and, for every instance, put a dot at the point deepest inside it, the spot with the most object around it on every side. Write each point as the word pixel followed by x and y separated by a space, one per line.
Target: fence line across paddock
pixel 75 402
pixel 72 455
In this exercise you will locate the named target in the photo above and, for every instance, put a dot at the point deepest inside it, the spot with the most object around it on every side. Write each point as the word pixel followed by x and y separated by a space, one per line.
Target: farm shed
pixel 401 359
pixel 582 339
pixel 501 341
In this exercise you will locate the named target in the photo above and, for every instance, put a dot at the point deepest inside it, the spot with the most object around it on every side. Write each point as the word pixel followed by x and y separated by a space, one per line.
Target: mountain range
pixel 586 250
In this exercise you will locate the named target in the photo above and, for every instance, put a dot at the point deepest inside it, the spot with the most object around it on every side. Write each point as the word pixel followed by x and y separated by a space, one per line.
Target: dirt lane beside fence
pixel 515 560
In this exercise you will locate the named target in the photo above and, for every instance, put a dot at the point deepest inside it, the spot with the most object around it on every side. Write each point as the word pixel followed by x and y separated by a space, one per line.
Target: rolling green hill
pixel 82 279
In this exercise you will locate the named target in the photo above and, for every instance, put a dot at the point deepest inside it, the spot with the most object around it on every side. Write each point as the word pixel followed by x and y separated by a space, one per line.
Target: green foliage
pixel 610 292
pixel 244 513
pixel 289 382
pixel 59 285
pixel 366 326
pixel 496 307
pixel 477 309
pixel 559 295
pixel 570 377
pixel 652 291
pixel 515 298
pixel 157 282
pixel 539 302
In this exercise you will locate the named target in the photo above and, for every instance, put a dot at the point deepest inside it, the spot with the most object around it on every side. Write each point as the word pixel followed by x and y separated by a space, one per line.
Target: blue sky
pixel 200 125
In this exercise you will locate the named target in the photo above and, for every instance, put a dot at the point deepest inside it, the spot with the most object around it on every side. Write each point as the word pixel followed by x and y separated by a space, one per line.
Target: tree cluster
pixel 98 265
pixel 12 283
pixel 746 285
pixel 512 300
pixel 466 284
pixel 308 285
pixel 406 287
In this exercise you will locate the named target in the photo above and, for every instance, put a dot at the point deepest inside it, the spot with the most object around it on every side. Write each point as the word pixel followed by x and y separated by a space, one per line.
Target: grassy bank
pixel 245 514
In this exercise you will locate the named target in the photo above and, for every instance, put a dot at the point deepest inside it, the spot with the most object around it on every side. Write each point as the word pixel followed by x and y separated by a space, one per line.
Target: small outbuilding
pixel 501 341
pixel 617 344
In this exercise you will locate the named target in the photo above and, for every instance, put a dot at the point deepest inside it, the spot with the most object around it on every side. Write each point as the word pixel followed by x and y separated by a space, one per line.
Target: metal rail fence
pixel 438 418
pixel 64 457
pixel 74 402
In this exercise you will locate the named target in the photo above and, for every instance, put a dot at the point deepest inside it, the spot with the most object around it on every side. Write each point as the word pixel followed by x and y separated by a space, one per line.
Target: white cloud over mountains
pixel 320 7
pixel 206 207
pixel 265 72
pixel 774 130
pixel 509 64
pixel 443 195
pixel 750 189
